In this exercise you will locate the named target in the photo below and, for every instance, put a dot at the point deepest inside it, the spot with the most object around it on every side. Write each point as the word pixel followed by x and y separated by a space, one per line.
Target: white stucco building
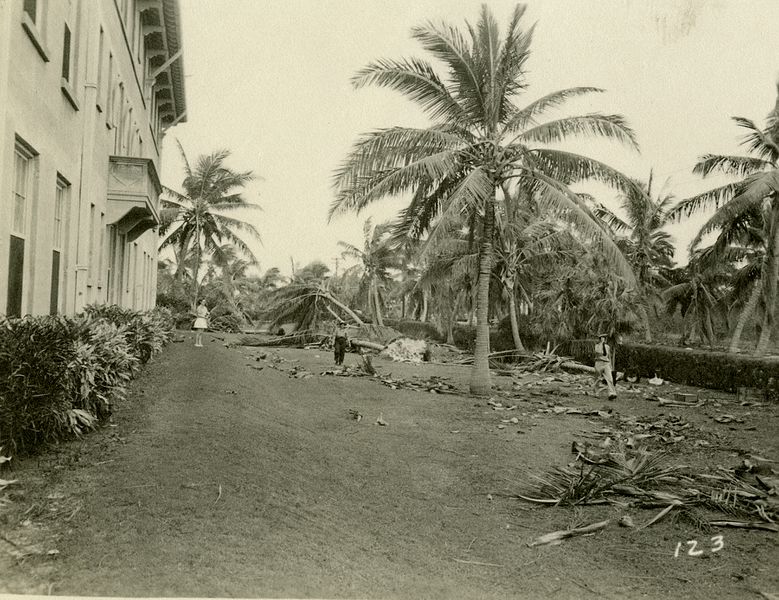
pixel 87 88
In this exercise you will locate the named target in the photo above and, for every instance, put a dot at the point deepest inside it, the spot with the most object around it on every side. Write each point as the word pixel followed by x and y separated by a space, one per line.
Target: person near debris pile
pixel 603 364
pixel 340 341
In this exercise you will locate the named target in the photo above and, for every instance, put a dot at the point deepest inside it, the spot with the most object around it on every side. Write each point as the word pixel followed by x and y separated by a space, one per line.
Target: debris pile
pixel 638 478
pixel 407 350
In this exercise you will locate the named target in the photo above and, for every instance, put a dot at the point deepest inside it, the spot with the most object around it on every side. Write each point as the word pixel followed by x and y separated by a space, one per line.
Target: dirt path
pixel 222 479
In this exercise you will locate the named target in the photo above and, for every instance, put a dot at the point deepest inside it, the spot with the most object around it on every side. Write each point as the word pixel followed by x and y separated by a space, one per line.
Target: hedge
pixel 59 376
pixel 701 368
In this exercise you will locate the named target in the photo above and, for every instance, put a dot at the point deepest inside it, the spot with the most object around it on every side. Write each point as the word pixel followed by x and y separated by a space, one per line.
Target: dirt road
pixel 225 477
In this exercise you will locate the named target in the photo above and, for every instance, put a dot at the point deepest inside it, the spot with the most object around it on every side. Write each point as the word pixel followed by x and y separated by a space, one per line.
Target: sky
pixel 269 80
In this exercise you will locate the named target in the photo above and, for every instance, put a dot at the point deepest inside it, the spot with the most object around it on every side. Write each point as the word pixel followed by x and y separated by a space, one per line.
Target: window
pixel 101 250
pixel 21 221
pixel 31 9
pixel 109 118
pixel 91 247
pixel 68 72
pixel 22 161
pixel 100 49
pixel 61 208
pixel 66 54
pixel 33 25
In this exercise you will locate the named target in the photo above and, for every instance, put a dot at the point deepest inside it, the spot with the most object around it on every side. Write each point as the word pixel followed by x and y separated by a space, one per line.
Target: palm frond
pixel 713 198
pixel 415 79
pixel 595 124
pixel 729 165
pixel 527 115
pixel 448 45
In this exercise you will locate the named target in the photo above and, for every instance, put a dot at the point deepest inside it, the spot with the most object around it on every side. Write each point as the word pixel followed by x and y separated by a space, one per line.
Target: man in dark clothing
pixel 340 341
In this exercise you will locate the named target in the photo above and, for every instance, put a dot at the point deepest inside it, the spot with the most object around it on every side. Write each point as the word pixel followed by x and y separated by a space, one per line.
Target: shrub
pixel 104 365
pixel 36 382
pixel 702 368
pixel 146 333
pixel 59 376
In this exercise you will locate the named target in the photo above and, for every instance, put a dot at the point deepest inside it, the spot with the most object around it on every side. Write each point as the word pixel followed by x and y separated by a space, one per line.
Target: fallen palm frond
pixel 653 482
pixel 557 537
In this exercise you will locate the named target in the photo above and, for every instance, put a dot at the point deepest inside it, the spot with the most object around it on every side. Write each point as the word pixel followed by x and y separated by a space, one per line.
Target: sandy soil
pixel 226 475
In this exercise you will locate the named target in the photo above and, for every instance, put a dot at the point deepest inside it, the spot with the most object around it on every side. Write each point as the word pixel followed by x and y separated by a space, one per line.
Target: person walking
pixel 603 364
pixel 340 341
pixel 201 323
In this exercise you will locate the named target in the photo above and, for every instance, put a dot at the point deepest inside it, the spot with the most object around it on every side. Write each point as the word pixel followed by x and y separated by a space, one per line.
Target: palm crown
pixel 479 142
pixel 195 217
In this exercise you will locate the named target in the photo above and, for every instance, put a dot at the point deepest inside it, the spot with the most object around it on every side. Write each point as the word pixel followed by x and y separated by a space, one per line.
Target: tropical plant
pixel 307 300
pixel 746 215
pixel 641 238
pixel 195 219
pixel 478 141
pixel 376 259
pixel 698 294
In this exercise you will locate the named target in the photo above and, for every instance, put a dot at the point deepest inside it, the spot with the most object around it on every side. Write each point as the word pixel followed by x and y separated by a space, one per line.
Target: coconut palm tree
pixel 478 140
pixel 307 299
pixel 746 214
pixel 376 259
pixel 195 218
pixel 640 235
pixel 699 294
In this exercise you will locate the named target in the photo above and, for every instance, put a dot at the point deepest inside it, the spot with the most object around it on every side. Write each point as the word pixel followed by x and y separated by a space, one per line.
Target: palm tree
pixel 376 259
pixel 306 299
pixel 647 247
pixel 195 217
pixel 746 214
pixel 698 294
pixel 479 140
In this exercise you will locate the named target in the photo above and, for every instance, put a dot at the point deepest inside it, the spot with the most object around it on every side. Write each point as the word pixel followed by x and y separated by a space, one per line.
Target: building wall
pixel 68 117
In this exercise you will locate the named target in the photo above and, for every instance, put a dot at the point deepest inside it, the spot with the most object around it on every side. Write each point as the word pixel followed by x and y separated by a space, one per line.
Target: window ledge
pixel 68 92
pixel 35 37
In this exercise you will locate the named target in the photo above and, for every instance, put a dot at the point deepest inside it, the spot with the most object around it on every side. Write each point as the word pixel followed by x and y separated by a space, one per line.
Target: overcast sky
pixel 269 80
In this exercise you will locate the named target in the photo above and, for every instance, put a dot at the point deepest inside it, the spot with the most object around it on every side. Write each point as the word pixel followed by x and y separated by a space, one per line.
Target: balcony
pixel 133 195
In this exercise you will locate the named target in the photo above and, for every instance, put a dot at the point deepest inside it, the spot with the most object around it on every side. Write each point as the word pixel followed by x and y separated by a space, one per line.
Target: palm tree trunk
pixel 377 305
pixel 647 326
pixel 480 372
pixel 197 260
pixel 743 318
pixel 343 307
pixel 769 278
pixel 514 323
pixel 425 305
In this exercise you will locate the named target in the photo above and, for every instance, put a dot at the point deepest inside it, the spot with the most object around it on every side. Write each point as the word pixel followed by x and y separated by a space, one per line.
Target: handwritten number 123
pixel 717 544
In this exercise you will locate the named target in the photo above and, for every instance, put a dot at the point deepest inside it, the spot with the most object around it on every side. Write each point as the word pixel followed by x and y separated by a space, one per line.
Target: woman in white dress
pixel 201 323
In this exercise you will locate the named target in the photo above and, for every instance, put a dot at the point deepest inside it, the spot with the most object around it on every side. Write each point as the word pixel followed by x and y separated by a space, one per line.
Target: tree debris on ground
pixel 556 537
pixel 748 497
pixel 407 350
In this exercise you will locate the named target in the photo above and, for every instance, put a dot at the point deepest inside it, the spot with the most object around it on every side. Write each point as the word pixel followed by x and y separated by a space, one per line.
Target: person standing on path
pixel 340 341
pixel 201 323
pixel 603 364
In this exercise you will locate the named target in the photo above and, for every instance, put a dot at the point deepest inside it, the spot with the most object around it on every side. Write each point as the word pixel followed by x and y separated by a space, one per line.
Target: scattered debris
pixel 380 420
pixel 655 381
pixel 556 537
pixel 408 350
pixel 626 521
pixel 356 415
pixel 598 477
